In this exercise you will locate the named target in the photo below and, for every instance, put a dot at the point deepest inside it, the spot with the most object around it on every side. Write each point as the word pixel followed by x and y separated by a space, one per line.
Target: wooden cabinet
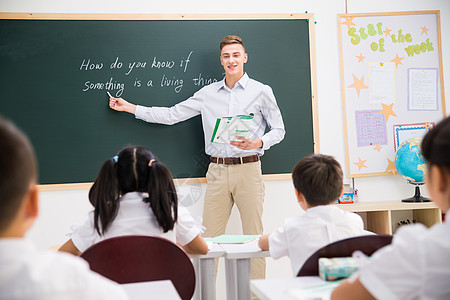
pixel 382 216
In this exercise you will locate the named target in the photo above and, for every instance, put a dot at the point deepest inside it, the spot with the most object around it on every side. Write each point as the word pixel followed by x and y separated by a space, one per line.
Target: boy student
pixel 234 174
pixel 25 273
pixel 318 184
pixel 417 263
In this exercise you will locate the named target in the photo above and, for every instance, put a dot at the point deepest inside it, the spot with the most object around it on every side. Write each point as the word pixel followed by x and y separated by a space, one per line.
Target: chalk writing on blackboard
pixel 117 83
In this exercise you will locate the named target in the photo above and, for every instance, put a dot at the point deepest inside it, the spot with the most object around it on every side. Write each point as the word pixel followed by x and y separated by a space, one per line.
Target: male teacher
pixel 234 173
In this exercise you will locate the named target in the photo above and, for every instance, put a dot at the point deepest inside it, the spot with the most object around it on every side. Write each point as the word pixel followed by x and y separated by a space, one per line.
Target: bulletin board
pixel 391 84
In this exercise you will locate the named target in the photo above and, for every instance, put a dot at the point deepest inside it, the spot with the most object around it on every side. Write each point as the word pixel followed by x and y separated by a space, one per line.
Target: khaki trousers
pixel 241 184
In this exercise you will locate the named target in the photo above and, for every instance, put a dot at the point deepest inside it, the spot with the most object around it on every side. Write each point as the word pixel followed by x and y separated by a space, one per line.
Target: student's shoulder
pixel 57 263
pixel 296 221
pixel 350 216
pixel 74 272
pixel 420 234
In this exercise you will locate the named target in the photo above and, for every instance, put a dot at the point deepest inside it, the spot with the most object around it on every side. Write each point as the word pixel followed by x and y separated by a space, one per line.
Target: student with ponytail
pixel 134 194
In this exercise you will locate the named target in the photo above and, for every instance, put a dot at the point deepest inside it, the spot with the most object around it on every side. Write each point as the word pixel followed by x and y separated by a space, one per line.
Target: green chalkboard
pixel 55 74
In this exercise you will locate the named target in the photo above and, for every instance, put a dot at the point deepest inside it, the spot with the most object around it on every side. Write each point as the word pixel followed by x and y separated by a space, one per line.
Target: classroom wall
pixel 59 209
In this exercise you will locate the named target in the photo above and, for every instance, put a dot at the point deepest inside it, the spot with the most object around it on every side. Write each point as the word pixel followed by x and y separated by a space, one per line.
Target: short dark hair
pixel 18 169
pixel 230 40
pixel 436 145
pixel 319 178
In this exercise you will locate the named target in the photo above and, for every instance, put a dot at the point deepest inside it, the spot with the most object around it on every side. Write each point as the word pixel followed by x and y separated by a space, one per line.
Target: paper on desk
pixel 314 292
pixel 233 239
pixel 228 128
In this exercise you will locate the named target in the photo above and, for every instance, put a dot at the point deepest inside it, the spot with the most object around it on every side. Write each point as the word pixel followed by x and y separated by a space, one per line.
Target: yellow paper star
pixel 361 163
pixel 381 64
pixel 360 57
pixel 387 31
pixel 397 60
pixel 424 30
pixel 378 147
pixel 348 22
pixel 358 84
pixel 387 111
pixel 391 166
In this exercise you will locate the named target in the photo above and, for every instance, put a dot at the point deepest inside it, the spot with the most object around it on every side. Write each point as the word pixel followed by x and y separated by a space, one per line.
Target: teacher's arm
pixel 272 114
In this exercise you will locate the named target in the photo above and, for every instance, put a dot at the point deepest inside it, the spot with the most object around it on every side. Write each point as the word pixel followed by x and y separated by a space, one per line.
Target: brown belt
pixel 234 160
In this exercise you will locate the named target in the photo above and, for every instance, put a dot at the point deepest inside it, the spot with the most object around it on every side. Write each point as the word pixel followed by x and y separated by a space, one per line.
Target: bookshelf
pixel 380 216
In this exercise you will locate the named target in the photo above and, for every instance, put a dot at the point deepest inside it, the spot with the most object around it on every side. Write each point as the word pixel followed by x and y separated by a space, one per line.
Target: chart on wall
pixel 391 85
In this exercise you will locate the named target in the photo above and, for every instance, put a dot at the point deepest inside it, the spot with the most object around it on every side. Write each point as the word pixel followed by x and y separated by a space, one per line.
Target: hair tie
pixel 116 159
pixel 150 162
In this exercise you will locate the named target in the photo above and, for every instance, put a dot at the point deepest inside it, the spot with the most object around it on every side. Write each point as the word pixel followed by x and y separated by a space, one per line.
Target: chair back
pixel 367 244
pixel 128 259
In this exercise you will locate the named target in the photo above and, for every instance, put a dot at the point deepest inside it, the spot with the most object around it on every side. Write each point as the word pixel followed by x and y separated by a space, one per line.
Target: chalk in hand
pixel 109 95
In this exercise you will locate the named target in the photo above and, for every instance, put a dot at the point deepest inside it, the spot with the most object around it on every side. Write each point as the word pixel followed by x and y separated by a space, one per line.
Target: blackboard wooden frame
pixel 166 17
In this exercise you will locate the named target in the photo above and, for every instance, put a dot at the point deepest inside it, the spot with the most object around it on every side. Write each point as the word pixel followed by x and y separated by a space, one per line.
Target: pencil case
pixel 336 268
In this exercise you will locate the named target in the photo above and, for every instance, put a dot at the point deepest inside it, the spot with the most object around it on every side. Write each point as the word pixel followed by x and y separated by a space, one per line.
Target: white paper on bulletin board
pixel 391 76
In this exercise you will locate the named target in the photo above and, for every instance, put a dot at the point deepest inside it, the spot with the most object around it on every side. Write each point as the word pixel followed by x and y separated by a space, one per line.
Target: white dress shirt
pixel 135 217
pixel 28 274
pixel 303 235
pixel 415 266
pixel 217 100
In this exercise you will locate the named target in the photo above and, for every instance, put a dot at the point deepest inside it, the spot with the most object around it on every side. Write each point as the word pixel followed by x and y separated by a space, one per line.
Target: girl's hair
pixel 436 145
pixel 134 169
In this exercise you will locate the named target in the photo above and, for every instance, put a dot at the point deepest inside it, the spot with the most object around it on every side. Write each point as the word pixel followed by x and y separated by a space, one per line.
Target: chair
pixel 128 259
pixel 367 244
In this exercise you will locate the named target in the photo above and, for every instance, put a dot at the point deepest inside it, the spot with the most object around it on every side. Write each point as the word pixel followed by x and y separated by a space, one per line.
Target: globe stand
pixel 417 197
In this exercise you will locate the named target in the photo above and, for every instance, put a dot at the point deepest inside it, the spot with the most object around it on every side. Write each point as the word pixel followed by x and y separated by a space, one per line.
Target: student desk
pixel 307 287
pixel 237 270
pixel 205 283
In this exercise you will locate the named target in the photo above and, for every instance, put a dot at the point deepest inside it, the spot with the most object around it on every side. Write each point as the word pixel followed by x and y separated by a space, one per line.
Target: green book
pixel 234 239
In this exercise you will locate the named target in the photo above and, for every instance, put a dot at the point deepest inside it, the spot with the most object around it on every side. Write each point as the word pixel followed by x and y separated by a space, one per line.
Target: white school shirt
pixel 135 217
pixel 28 274
pixel 303 235
pixel 217 100
pixel 415 266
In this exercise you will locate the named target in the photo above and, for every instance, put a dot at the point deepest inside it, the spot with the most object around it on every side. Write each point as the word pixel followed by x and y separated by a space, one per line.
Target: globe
pixel 410 164
pixel 409 161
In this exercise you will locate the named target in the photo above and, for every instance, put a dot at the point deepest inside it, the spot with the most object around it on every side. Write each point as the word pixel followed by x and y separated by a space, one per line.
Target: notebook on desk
pixel 234 239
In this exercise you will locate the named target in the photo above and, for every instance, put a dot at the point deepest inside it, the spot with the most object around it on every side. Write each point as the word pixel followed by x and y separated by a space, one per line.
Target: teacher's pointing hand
pixel 121 104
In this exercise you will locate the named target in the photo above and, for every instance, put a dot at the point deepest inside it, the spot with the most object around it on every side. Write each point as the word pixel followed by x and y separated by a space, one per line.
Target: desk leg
pixel 205 281
pixel 238 279
pixel 197 292
pixel 208 279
